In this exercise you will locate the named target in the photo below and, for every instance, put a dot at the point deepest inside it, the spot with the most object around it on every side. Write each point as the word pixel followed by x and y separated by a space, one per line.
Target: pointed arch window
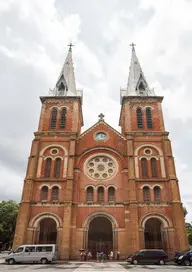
pixel 100 194
pixel 144 168
pixel 55 193
pixel 111 194
pixel 153 167
pixel 44 193
pixel 146 194
pixel 139 118
pixel 157 193
pixel 90 193
pixel 57 168
pixel 63 118
pixel 53 118
pixel 149 118
pixel 48 167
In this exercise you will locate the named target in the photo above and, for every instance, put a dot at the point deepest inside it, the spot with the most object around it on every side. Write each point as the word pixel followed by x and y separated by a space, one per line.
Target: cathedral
pixel 101 189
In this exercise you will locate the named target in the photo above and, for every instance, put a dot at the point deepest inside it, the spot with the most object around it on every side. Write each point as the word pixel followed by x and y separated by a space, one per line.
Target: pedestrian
pixel 118 255
pixel 81 256
pixel 89 255
pixel 111 255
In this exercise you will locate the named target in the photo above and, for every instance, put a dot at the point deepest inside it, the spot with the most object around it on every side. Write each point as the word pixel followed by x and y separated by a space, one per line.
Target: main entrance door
pixel 100 236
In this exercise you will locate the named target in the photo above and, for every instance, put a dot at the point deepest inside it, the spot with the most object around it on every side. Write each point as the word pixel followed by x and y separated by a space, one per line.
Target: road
pixel 91 266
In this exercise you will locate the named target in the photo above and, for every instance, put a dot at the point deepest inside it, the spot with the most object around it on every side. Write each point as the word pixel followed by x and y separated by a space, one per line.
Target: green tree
pixel 189 232
pixel 185 211
pixel 8 216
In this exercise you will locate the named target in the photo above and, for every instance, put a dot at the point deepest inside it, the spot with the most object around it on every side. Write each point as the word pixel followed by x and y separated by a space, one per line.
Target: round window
pixel 54 151
pixel 148 151
pixel 101 167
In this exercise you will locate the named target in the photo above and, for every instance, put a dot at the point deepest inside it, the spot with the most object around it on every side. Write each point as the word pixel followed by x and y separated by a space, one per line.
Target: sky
pixel 33 45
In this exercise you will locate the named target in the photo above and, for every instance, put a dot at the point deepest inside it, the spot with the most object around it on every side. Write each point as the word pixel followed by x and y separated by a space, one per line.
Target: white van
pixel 33 253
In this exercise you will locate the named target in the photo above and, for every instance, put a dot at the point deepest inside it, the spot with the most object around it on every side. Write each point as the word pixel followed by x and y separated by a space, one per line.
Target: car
pixel 33 253
pixel 148 256
pixel 178 254
pixel 184 259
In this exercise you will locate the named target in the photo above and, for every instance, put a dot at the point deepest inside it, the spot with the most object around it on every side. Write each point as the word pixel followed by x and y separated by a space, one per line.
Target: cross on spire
pixel 101 117
pixel 133 46
pixel 70 46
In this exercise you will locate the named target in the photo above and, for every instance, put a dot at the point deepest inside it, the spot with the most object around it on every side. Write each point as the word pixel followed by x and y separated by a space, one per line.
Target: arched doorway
pixel 154 234
pixel 47 231
pixel 100 235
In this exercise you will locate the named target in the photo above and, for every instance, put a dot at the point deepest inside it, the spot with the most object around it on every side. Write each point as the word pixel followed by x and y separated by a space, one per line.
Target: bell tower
pixel 49 182
pixel 151 166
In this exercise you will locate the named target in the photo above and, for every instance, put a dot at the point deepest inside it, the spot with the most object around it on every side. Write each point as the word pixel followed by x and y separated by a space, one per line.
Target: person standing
pixel 111 255
pixel 118 255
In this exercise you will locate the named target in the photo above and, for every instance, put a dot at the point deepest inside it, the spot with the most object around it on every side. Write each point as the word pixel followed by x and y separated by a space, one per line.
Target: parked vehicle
pixel 33 253
pixel 148 256
pixel 184 259
pixel 178 254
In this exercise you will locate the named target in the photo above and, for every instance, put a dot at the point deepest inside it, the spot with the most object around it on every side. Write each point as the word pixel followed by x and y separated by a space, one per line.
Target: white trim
pixel 53 153
pixel 57 158
pixel 55 185
pixel 146 185
pixel 147 158
pixel 154 157
pixel 93 215
pixel 53 145
pixel 111 185
pixel 152 108
pixel 41 186
pixel 104 186
pixel 90 185
pixel 63 107
pixel 147 145
pixel 157 185
pixel 48 157
pixel 54 107
pixel 165 220
pixel 34 222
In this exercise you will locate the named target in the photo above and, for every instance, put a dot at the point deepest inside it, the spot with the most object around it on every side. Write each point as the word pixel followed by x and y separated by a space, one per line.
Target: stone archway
pixel 100 236
pixel 47 231
pixel 153 234
pixel 100 232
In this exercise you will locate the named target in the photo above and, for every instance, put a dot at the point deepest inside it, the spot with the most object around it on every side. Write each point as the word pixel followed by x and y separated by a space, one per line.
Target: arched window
pixel 139 118
pixel 154 167
pixel 144 168
pixel 149 118
pixel 157 193
pixel 57 168
pixel 90 193
pixel 100 196
pixel 44 193
pixel 53 118
pixel 146 194
pixel 55 193
pixel 63 118
pixel 48 167
pixel 111 194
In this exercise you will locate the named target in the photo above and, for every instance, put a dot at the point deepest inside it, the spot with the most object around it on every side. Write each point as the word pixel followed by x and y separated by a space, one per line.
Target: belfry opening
pixel 100 236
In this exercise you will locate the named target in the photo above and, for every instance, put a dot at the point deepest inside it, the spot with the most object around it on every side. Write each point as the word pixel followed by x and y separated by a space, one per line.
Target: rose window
pixel 101 167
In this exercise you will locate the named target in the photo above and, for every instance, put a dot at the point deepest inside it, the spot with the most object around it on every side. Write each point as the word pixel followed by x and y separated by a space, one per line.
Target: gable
pixel 112 139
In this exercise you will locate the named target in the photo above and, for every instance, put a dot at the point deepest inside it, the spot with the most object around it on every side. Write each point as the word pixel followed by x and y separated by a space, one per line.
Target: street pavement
pixel 90 266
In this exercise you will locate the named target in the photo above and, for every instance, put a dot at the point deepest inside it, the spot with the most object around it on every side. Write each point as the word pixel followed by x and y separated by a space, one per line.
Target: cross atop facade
pixel 101 116
pixel 70 46
pixel 133 46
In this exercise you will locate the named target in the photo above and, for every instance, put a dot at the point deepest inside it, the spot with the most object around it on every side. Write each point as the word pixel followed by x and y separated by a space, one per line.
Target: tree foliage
pixel 8 216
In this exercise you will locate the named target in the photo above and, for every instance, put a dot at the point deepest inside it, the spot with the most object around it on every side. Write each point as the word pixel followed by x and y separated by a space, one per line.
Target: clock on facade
pixel 101 136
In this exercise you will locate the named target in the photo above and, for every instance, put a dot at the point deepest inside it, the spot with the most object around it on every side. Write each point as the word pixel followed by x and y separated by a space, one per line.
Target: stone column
pixel 66 233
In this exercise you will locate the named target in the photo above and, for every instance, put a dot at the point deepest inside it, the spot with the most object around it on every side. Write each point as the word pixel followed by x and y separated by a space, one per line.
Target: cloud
pixel 33 39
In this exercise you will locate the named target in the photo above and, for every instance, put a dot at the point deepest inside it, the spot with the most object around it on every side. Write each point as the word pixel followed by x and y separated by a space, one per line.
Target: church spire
pixel 137 84
pixel 66 85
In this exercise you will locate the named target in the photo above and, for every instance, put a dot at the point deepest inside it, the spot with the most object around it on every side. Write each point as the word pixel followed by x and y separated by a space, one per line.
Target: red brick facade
pixel 137 198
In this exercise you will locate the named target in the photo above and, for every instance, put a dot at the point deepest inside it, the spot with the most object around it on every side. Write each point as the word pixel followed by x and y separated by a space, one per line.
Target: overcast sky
pixel 33 45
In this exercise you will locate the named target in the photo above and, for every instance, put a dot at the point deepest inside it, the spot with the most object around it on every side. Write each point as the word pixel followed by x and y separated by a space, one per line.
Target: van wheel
pixel 44 261
pixel 186 263
pixel 161 262
pixel 135 262
pixel 11 261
